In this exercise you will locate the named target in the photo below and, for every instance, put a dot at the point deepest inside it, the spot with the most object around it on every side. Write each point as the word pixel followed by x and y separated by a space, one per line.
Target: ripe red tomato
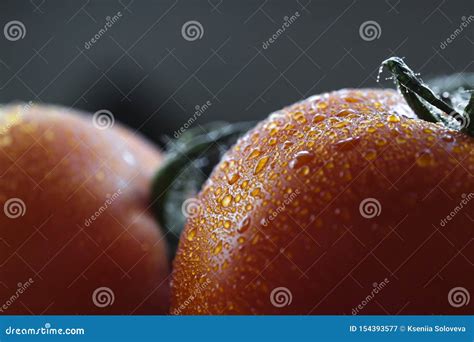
pixel 344 203
pixel 76 235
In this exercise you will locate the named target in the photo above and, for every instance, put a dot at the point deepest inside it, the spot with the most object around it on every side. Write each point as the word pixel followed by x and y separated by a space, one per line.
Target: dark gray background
pixel 149 77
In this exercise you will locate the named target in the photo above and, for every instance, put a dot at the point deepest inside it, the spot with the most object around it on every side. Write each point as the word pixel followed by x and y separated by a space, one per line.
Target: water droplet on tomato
pixel 261 164
pixel 447 138
pixel 371 129
pixel 370 154
pixel 232 178
pixel 244 225
pixel 191 235
pixel 347 144
pixel 341 124
pixel 301 158
pixel 345 112
pixel 352 99
pixel 256 192
pixel 226 200
pixel 305 170
pixel 218 248
pixel 393 118
pixel 380 141
pixel 255 153
pixel 318 118
pixel 322 105
pixel 424 158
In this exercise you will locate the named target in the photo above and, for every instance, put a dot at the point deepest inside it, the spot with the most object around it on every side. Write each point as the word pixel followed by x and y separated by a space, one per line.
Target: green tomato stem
pixel 415 91
pixel 469 113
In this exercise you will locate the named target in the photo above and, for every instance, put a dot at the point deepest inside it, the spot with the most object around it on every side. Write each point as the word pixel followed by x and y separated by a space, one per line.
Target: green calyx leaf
pixel 427 105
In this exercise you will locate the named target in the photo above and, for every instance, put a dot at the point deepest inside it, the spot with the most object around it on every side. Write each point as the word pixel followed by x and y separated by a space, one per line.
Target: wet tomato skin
pixel 334 205
pixel 85 224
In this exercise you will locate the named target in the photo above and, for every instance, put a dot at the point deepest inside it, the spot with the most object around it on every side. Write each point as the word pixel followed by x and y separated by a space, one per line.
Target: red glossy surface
pixel 65 170
pixel 283 210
